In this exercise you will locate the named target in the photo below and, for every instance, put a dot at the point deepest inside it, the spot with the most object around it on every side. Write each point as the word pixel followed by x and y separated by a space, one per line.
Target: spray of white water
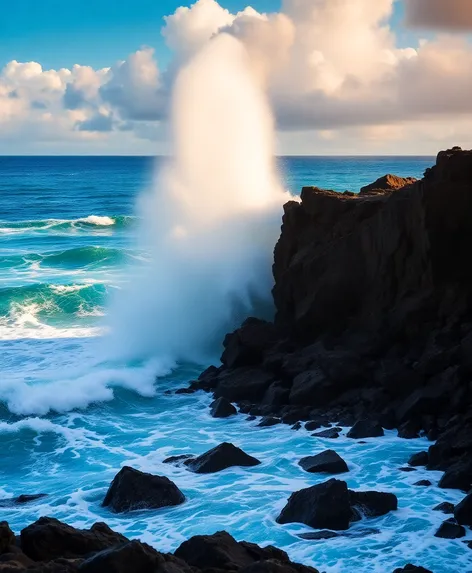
pixel 212 219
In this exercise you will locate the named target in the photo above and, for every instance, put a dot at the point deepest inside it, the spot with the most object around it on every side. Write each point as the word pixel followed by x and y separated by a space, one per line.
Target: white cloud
pixel 332 68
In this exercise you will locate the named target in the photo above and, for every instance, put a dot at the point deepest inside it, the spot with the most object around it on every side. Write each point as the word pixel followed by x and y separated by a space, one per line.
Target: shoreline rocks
pixel 328 462
pixel 219 458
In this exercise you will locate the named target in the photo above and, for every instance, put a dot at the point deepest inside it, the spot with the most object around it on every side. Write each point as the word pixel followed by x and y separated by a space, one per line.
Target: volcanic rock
pixel 463 511
pixel 223 456
pixel 132 489
pixel 365 429
pixel 450 530
pixel 326 462
pixel 222 408
pixel 419 459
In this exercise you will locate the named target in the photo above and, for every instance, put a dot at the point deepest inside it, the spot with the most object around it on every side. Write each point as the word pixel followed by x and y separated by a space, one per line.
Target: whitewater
pixel 118 277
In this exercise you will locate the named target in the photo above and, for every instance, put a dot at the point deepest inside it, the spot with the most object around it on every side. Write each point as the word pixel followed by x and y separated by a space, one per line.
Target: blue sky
pixel 60 33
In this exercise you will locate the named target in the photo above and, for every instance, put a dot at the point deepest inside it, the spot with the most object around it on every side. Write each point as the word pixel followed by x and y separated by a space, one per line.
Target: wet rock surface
pixel 326 462
pixel 221 457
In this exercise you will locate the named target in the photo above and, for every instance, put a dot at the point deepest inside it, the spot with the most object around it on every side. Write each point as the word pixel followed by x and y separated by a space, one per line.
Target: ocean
pixel 70 417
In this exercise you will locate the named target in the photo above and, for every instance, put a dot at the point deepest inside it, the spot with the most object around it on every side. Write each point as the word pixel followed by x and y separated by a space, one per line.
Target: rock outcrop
pixel 329 462
pixel 132 489
pixel 219 458
pixel 373 297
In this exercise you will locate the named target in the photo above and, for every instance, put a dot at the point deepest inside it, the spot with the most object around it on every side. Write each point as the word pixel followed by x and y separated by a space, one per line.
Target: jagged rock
pixel 326 462
pixel 221 551
pixel 365 429
pixel 276 395
pixel 297 426
pixel 387 183
pixel 224 456
pixel 7 537
pixel 244 384
pixel 322 506
pixel 373 503
pixel 48 539
pixel 423 483
pixel 222 408
pixel 132 489
pixel 311 387
pixel 269 421
pixel 409 430
pixel 331 433
pixel 133 556
pixel 463 511
pixel 247 345
pixel 449 529
pixel 419 459
pixel 445 507
pixel 458 475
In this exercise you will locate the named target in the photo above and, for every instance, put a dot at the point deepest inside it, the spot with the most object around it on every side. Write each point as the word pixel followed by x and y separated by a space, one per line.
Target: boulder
pixel 222 408
pixel 247 345
pixel 330 433
pixel 458 475
pixel 449 529
pixel 311 387
pixel 322 506
pixel 224 456
pixel 241 384
pixel 423 483
pixel 445 507
pixel 7 537
pixel 419 459
pixel 463 511
pixel 326 462
pixel 221 551
pixel 365 429
pixel 48 539
pixel 132 556
pixel 372 503
pixel 132 489
pixel 409 430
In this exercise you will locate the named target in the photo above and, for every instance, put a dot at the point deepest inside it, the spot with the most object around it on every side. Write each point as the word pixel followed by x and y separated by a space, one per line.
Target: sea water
pixel 70 417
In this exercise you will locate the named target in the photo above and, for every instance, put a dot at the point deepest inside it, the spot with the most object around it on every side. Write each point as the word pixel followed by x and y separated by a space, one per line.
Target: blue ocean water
pixel 70 419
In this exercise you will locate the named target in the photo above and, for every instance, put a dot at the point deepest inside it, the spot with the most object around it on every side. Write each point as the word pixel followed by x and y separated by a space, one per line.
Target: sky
pixel 342 76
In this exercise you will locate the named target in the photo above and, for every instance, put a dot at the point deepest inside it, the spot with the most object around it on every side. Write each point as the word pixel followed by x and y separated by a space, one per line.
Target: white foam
pixel 101 221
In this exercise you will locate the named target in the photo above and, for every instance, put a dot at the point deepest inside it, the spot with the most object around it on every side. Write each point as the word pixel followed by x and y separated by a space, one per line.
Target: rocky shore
pixel 373 325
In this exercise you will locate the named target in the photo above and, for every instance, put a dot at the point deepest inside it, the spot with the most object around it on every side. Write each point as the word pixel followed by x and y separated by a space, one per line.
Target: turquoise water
pixel 70 417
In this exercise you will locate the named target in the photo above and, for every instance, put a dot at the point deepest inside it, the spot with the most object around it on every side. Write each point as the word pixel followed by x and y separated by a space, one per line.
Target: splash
pixel 213 217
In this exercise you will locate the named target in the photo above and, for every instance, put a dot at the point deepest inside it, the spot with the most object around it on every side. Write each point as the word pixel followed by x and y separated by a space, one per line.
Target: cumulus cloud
pixel 448 14
pixel 332 68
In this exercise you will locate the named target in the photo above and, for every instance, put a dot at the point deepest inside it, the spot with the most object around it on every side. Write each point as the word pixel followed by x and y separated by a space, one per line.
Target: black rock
pixel 450 530
pixel 177 459
pixel 423 483
pixel 312 425
pixel 249 384
pixel 329 433
pixel 297 426
pixel 185 391
pixel 445 507
pixel 268 421
pixel 419 459
pixel 409 431
pixel 224 456
pixel 48 539
pixel 373 503
pixel 407 469
pixel 21 499
pixel 463 511
pixel 326 462
pixel 322 506
pixel 317 535
pixel 222 408
pixel 132 489
pixel 251 418
pixel 458 475
pixel 365 429
pixel 133 556
pixel 7 537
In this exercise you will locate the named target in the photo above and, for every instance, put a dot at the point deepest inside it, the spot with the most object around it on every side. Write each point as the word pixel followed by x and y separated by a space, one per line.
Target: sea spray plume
pixel 212 219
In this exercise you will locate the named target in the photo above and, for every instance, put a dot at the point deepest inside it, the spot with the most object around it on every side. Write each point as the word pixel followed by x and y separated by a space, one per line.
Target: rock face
pixel 132 489
pixel 463 511
pixel 224 456
pixel 373 314
pixel 326 462
pixel 331 505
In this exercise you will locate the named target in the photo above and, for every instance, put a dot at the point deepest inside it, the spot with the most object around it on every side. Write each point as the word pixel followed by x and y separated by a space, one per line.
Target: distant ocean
pixel 68 233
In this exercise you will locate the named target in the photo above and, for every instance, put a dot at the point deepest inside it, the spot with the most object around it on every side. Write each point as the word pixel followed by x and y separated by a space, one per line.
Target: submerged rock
pixel 322 506
pixel 48 539
pixel 269 421
pixel 423 483
pixel 365 429
pixel 132 489
pixel 445 507
pixel 412 569
pixel 326 462
pixel 222 408
pixel 450 530
pixel 330 433
pixel 326 534
pixel 21 499
pixel 224 456
pixel 181 459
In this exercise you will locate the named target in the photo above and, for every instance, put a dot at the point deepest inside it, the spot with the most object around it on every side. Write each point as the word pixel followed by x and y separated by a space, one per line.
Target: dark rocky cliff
pixel 374 313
